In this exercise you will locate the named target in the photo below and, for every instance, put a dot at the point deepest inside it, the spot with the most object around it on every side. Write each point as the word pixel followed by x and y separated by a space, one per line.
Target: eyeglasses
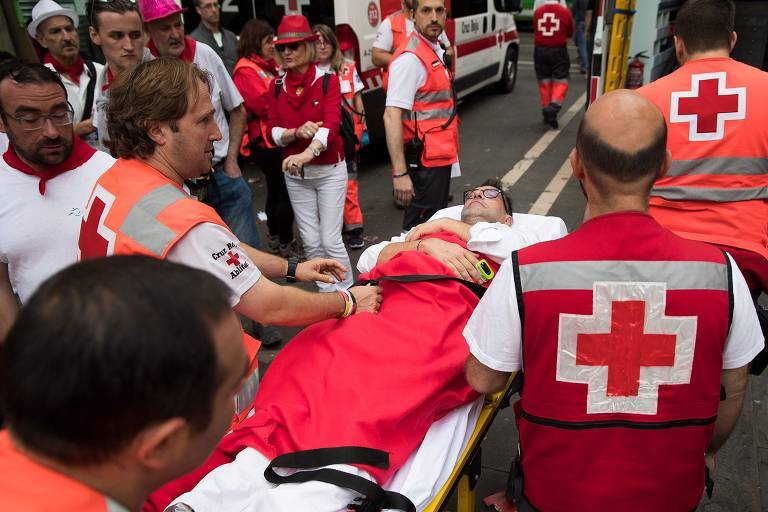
pixel 32 121
pixel 321 42
pixel 289 46
pixel 490 193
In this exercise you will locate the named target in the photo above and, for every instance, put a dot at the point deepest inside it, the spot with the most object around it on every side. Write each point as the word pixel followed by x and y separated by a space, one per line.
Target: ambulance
pixel 483 32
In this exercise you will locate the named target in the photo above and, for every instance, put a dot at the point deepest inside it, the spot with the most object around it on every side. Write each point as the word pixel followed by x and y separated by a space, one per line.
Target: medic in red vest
pixel 625 332
pixel 553 27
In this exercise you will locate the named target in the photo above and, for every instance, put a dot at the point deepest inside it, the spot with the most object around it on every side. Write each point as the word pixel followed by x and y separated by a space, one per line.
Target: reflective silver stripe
pixel 718 195
pixel 413 43
pixel 581 275
pixel 431 97
pixel 142 225
pixel 264 74
pixel 245 397
pixel 426 115
pixel 730 166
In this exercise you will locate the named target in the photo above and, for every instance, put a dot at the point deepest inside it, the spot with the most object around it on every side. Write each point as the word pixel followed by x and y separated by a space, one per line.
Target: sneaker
pixel 292 248
pixel 355 238
pixel 273 245
pixel 268 336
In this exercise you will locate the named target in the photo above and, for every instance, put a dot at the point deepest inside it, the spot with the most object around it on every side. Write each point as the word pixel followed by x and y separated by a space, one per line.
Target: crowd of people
pixel 130 262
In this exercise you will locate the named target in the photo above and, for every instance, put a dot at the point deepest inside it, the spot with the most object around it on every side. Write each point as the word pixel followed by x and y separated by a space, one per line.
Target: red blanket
pixel 378 381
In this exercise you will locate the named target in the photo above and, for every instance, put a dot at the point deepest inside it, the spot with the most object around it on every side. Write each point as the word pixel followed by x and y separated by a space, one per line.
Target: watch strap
pixel 290 275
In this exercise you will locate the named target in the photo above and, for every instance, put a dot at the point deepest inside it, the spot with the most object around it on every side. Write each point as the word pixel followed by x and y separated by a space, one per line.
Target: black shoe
pixel 268 336
pixel 450 198
pixel 355 238
pixel 549 116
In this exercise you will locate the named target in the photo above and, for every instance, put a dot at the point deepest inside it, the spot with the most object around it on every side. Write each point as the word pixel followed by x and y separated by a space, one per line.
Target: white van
pixel 482 31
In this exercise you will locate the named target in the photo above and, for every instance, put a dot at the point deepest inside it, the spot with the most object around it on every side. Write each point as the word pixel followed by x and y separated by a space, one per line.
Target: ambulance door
pixel 473 35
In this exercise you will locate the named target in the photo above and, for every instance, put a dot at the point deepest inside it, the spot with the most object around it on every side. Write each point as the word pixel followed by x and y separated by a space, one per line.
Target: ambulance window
pixel 468 8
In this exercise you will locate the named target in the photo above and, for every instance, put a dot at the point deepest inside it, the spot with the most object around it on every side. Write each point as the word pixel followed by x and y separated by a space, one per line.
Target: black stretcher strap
pixel 475 288
pixel 373 497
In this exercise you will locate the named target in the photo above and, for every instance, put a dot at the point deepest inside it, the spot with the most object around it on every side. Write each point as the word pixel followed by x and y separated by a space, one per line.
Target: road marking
pixel 552 191
pixel 540 146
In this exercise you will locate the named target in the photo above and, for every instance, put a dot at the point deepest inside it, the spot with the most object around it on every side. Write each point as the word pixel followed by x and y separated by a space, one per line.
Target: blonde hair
pixel 309 47
pixel 337 58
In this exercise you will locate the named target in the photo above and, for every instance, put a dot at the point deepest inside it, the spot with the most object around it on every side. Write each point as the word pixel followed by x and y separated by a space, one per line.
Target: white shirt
pixel 3 143
pixel 357 85
pixel 385 39
pixel 39 234
pixel 495 240
pixel 494 332
pixel 77 93
pixel 207 247
pixel 224 95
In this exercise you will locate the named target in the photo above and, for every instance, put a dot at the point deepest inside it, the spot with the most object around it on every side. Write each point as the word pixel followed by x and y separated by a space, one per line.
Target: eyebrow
pixel 32 110
pixel 209 113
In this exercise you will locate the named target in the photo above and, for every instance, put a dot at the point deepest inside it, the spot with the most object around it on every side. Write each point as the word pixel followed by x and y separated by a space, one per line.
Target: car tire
pixel 509 72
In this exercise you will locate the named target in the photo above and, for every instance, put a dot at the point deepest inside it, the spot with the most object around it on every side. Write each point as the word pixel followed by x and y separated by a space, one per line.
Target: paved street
pixel 497 132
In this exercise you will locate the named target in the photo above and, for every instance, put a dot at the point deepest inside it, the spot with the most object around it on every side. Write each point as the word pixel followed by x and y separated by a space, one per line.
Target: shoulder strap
pixel 89 93
pixel 326 81
pixel 278 86
pixel 475 288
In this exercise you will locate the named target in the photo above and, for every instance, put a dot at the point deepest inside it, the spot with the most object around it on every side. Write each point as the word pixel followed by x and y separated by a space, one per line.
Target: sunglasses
pixel 290 46
pixel 489 193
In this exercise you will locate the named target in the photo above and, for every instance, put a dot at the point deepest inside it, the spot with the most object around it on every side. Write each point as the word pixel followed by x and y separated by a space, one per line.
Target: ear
pixel 95 38
pixel 507 220
pixel 40 39
pixel 679 49
pixel 734 37
pixel 665 165
pixel 577 168
pixel 159 446
pixel 158 133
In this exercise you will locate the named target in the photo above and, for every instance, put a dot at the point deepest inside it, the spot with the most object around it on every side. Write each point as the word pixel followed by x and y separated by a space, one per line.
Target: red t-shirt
pixel 552 25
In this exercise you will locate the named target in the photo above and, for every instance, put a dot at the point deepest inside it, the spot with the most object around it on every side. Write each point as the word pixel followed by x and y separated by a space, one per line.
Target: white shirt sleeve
pixel 384 36
pixel 745 339
pixel 498 240
pixel 443 38
pixel 215 249
pixel 230 96
pixel 321 136
pixel 494 331
pixel 371 255
pixel 358 82
pixel 406 76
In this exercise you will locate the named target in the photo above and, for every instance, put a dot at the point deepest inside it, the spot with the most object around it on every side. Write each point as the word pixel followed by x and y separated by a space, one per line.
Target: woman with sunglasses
pixel 330 59
pixel 253 74
pixel 304 119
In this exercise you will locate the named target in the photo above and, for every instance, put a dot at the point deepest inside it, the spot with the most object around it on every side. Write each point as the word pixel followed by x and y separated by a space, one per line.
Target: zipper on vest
pixel 640 425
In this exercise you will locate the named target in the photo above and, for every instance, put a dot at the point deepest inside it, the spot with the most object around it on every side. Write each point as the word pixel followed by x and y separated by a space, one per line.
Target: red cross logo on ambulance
pixel 292 6
pixel 626 348
pixel 549 24
pixel 708 105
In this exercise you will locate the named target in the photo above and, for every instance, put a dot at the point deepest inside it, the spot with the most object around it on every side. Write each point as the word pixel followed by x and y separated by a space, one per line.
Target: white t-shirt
pixel 3 143
pixel 495 240
pixel 39 234
pixel 494 331
pixel 77 93
pixel 385 39
pixel 224 95
pixel 216 250
pixel 358 82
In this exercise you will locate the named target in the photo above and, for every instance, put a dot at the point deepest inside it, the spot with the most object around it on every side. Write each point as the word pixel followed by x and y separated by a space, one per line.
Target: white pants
pixel 318 204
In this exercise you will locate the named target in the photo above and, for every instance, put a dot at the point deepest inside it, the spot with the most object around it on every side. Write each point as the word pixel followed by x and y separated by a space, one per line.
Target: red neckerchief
pixel 81 153
pixel 110 78
pixel 297 85
pixel 73 72
pixel 270 66
pixel 188 55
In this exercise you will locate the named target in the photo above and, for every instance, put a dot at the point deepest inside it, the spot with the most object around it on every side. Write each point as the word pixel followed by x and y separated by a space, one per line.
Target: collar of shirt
pixel 72 72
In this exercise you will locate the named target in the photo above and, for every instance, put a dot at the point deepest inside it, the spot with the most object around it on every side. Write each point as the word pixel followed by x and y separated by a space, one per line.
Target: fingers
pixel 415 234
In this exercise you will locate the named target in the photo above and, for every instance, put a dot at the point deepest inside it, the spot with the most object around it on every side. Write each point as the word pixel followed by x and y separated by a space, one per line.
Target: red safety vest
pixel 347 82
pixel 717 188
pixel 134 209
pixel 257 127
pixel 432 107
pixel 31 487
pixel 399 37
pixel 622 351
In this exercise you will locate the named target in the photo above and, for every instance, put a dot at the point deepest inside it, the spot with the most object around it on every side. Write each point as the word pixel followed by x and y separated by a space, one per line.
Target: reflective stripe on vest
pixel 142 225
pixel 427 115
pixel 722 165
pixel 718 195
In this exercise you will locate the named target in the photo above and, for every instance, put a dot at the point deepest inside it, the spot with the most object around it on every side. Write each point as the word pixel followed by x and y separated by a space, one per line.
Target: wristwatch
pixel 314 151
pixel 290 275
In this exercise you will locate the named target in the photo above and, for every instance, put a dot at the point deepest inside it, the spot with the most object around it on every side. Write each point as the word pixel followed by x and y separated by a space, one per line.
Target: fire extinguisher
pixel 635 71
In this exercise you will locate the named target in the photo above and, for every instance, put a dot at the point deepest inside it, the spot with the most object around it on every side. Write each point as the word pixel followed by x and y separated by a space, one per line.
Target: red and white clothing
pixel 552 24
pixel 385 40
pixel 39 231
pixel 76 89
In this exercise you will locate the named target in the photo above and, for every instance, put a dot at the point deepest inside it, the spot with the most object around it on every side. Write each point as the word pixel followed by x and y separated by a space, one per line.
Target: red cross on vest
pixel 96 240
pixel 234 259
pixel 549 24
pixel 626 348
pixel 707 106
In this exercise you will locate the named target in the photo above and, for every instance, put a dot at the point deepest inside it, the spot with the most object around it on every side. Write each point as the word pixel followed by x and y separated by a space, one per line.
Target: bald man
pixel 626 332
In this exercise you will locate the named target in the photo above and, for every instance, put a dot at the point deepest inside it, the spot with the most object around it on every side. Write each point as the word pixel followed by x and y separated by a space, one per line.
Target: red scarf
pixel 270 66
pixel 297 85
pixel 110 78
pixel 73 72
pixel 81 153
pixel 188 55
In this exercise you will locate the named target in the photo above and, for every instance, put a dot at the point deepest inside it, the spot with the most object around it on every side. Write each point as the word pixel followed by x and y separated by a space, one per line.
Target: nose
pixel 49 129
pixel 177 32
pixel 216 135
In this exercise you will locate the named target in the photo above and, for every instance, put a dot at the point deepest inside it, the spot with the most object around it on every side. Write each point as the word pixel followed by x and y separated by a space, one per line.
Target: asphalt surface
pixel 497 131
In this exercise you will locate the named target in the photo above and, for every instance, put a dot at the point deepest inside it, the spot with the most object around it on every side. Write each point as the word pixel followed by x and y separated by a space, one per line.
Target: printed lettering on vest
pixel 626 348
pixel 549 24
pixel 96 239
pixel 708 105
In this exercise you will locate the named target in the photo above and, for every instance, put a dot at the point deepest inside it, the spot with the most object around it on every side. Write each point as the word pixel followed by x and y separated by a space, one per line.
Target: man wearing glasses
pixel 210 32
pixel 46 176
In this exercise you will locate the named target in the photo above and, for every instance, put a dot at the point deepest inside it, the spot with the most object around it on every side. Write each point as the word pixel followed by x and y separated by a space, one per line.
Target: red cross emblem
pixel 626 349
pixel 707 106
pixel 292 6
pixel 234 259
pixel 96 240
pixel 548 24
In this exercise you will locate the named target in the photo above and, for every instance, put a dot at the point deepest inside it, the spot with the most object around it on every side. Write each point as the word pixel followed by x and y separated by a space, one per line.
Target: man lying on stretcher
pixel 377 381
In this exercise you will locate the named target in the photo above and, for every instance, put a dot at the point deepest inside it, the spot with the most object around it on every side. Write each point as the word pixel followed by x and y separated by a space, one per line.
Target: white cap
pixel 45 9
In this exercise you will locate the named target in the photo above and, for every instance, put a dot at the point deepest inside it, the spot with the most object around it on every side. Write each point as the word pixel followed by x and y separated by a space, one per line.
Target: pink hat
pixel 293 29
pixel 157 9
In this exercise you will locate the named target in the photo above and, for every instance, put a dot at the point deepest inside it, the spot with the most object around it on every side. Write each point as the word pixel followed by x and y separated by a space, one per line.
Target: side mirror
pixel 515 6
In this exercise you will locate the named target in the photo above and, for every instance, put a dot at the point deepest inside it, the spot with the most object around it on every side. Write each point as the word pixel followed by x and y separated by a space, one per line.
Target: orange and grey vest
pixel 433 107
pixel 134 209
pixel 717 188
pixel 347 82
pixel 622 348
pixel 257 127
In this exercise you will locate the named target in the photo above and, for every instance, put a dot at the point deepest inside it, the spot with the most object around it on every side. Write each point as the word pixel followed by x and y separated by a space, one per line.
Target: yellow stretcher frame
pixel 467 470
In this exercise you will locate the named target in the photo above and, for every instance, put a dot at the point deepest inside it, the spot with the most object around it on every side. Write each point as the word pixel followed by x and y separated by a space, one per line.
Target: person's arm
pixel 483 379
pixel 588 22
pixel 9 308
pixel 734 383
pixel 460 261
pixel 83 128
pixel 237 118
pixel 380 58
pixel 253 91
pixel 457 227
pixel 401 181
pixel 275 267
pixel 382 50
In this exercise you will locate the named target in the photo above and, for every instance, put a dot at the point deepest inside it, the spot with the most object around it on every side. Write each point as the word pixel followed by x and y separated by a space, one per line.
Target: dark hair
pixel 706 25
pixel 493 182
pixel 6 57
pixel 96 7
pixel 107 347
pixel 155 91
pixel 602 158
pixel 253 33
pixel 29 73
